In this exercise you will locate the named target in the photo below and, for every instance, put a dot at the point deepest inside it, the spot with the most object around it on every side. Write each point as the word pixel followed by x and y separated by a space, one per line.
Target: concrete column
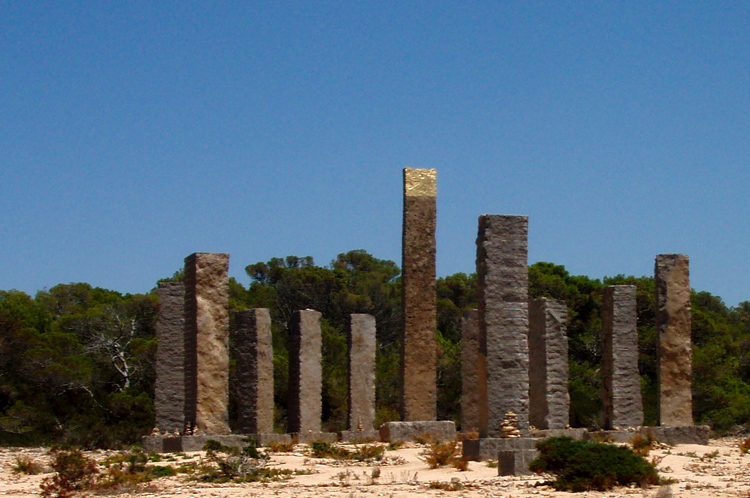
pixel 361 372
pixel 169 391
pixel 419 350
pixel 469 374
pixel 621 383
pixel 254 393
pixel 549 401
pixel 673 321
pixel 207 332
pixel 502 253
pixel 305 372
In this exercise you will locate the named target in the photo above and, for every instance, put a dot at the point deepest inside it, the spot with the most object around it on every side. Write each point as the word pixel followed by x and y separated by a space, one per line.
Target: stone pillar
pixel 419 350
pixel 621 383
pixel 206 349
pixel 361 373
pixel 469 374
pixel 503 366
pixel 169 390
pixel 673 323
pixel 305 372
pixel 254 393
pixel 549 401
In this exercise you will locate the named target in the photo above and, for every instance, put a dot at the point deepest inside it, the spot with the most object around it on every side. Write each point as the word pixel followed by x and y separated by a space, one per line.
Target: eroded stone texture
pixel 549 401
pixel 254 388
pixel 469 375
pixel 503 366
pixel 673 322
pixel 169 390
pixel 206 336
pixel 418 346
pixel 305 372
pixel 621 383
pixel 361 372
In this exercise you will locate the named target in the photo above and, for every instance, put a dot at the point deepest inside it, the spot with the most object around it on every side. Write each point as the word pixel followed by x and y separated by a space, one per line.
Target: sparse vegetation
pixel 440 453
pixel 642 445
pixel 26 465
pixel 588 465
pixel 74 472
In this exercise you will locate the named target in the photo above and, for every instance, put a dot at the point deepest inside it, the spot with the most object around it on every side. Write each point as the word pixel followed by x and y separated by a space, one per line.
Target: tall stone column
pixel 673 322
pixel 254 393
pixel 305 372
pixel 469 374
pixel 549 400
pixel 621 383
pixel 206 336
pixel 169 390
pixel 419 350
pixel 502 254
pixel 361 373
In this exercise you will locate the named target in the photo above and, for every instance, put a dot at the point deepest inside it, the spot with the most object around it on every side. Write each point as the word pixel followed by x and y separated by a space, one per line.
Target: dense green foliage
pixel 589 465
pixel 76 362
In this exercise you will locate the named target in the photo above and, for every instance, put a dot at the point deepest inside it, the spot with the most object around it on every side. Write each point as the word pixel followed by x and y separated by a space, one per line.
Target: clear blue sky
pixel 135 133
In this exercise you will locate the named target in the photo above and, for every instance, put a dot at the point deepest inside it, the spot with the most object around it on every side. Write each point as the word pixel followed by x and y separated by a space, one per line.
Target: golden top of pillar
pixel 420 182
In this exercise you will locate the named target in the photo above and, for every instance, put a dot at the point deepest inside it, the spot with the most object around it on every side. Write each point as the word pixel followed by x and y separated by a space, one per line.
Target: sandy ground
pixel 716 470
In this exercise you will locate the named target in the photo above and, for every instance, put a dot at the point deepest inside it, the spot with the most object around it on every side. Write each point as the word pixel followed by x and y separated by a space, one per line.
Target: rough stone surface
pixel 444 430
pixel 621 383
pixel 469 374
pixel 549 401
pixel 309 437
pixel 515 462
pixel 488 448
pixel 361 372
pixel 254 380
pixel 419 295
pixel 691 434
pixel 673 323
pixel 169 390
pixel 503 366
pixel 206 348
pixel 360 436
pixel 305 372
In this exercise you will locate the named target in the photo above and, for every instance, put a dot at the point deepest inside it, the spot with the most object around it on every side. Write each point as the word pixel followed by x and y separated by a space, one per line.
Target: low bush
pixel 440 453
pixel 26 465
pixel 74 472
pixel 589 465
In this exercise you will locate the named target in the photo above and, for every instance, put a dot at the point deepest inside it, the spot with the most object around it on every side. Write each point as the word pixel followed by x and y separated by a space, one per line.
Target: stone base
pixel 360 436
pixel 173 444
pixel 546 433
pixel 488 448
pixel 443 430
pixel 693 434
pixel 309 437
pixel 515 462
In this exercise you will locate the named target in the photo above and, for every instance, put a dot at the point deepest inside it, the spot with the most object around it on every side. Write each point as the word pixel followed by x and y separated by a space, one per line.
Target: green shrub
pixel 440 453
pixel 74 472
pixel 588 465
pixel 322 449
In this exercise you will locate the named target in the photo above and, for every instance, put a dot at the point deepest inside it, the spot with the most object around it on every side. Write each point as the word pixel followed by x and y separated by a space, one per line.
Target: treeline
pixel 77 362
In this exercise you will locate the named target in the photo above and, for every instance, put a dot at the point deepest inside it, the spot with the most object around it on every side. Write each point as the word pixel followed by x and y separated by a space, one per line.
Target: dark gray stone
pixel 305 373
pixel 311 437
pixel 487 448
pixel 469 374
pixel 691 434
pixel 254 380
pixel 443 430
pixel 515 462
pixel 206 343
pixel 169 389
pixel 361 339
pixel 503 366
pixel 419 296
pixel 549 401
pixel 621 382
pixel 360 436
pixel 673 323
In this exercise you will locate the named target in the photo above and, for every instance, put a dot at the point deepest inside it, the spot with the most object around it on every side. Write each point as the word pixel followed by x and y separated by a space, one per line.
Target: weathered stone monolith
pixel 254 388
pixel 549 401
pixel 621 383
pixel 673 323
pixel 503 366
pixel 206 348
pixel 361 340
pixel 169 389
pixel 305 372
pixel 418 345
pixel 469 374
